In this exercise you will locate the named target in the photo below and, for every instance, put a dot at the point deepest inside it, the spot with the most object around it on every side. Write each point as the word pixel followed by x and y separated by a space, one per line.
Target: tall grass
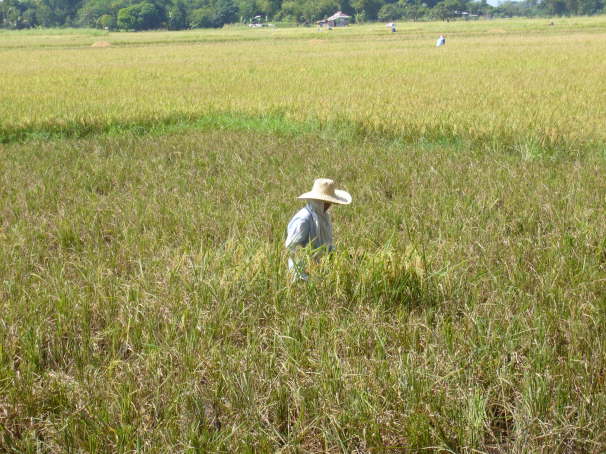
pixel 146 304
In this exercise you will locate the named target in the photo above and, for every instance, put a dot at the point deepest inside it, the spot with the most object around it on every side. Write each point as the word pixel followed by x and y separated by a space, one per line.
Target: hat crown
pixel 324 189
pixel 324 186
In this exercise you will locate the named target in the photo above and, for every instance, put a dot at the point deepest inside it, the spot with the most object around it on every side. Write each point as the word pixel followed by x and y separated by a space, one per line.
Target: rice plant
pixel 144 194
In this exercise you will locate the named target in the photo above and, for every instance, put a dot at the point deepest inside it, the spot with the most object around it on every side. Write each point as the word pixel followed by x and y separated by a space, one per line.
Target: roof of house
pixel 338 15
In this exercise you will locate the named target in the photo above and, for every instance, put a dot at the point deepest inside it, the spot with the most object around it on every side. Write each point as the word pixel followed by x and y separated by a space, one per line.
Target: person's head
pixel 324 191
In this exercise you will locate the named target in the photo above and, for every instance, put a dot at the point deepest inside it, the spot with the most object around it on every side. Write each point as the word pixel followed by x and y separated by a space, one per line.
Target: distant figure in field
pixel 311 226
pixel 441 41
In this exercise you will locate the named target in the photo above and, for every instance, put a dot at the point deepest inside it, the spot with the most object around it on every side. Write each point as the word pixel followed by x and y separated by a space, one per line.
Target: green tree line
pixel 184 14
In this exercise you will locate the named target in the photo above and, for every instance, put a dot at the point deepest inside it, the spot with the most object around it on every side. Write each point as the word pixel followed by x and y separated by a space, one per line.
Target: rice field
pixel 537 89
pixel 144 193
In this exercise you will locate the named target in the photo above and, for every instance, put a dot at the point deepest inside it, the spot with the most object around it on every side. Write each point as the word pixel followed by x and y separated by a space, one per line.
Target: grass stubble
pixel 146 307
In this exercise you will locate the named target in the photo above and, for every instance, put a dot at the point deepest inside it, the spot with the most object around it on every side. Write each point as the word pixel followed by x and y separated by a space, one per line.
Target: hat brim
pixel 341 197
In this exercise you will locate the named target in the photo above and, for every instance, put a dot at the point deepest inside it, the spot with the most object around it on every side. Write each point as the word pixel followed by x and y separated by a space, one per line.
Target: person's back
pixel 302 230
pixel 311 226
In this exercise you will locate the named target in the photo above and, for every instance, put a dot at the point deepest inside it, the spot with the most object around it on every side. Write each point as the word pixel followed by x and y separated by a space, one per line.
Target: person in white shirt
pixel 311 226
pixel 441 41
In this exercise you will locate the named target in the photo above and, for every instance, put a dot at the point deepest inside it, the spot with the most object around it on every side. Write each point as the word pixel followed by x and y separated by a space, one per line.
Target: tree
pixel 440 12
pixel 370 8
pixel 128 18
pixel 53 13
pixel 555 7
pixel 201 18
pixel 269 8
pixel 390 12
pixel 249 9
pixel 150 16
pixel 448 9
pixel 12 13
pixel 322 9
pixel 590 7
pixel 141 16
pixel 45 16
pixel 226 12
pixel 413 10
pixel 345 6
pixel 481 7
pixel 180 14
pixel 107 21
pixel 92 11
pixel 177 17
pixel 29 18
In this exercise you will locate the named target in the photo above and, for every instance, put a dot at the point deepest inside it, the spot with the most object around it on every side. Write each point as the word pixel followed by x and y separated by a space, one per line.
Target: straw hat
pixel 324 189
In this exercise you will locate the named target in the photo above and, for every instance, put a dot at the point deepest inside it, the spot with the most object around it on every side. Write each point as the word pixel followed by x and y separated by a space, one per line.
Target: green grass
pixel 342 130
pixel 39 31
pixel 145 301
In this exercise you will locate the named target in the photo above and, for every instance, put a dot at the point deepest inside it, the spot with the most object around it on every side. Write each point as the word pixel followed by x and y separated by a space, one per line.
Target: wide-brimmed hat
pixel 324 189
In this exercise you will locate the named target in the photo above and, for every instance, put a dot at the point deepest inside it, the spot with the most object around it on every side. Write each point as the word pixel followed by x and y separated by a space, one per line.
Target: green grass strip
pixel 340 130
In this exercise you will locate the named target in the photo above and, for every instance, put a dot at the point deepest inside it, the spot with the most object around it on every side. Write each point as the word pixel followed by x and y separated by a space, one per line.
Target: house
pixel 338 19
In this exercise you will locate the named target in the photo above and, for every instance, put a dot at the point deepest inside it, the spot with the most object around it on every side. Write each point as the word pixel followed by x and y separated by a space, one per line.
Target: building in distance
pixel 338 19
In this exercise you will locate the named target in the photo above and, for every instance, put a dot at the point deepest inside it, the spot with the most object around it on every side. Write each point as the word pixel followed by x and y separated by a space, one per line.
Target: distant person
pixel 311 226
pixel 441 41
pixel 393 27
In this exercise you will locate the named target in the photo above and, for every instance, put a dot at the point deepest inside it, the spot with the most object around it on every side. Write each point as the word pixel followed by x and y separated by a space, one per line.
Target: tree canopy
pixel 183 14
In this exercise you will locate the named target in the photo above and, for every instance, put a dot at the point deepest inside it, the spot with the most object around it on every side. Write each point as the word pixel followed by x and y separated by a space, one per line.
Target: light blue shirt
pixel 309 226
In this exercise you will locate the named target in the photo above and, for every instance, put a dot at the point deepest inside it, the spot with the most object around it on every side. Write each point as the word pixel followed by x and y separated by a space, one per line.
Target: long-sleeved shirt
pixel 309 226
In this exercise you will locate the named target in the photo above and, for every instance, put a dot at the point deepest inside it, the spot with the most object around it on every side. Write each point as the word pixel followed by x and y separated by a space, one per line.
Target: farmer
pixel 311 226
pixel 441 41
